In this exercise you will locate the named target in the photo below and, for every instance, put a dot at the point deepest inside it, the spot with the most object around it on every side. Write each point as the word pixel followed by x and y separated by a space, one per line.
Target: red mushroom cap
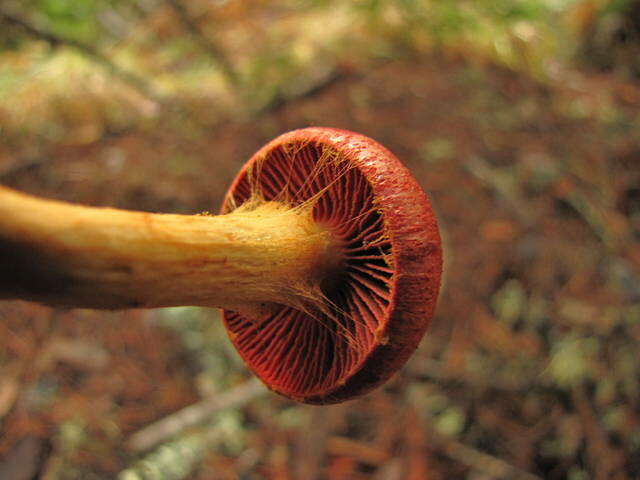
pixel 378 309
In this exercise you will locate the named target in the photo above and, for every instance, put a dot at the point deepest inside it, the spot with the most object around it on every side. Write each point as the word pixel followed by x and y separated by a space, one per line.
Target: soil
pixel 536 188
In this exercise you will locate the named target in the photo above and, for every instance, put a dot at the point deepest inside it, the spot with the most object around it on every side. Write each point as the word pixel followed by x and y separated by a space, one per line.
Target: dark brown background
pixel 521 123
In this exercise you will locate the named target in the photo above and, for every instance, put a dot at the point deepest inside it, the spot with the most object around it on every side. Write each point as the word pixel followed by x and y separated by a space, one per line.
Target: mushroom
pixel 326 261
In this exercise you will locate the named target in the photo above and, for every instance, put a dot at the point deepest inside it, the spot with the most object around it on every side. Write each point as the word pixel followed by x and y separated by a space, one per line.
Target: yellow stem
pixel 75 256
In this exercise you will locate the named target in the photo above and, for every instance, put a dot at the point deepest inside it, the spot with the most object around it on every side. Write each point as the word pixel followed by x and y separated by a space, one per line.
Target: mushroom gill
pixel 304 352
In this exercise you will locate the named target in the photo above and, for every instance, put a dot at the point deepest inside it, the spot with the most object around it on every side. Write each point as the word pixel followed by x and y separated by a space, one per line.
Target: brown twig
pixel 192 415
pixel 488 464
pixel 207 45
pixel 435 371
pixel 603 459
pixel 360 451
pixel 501 183
pixel 24 460
pixel 281 99
pixel 313 446
pixel 30 163
pixel 55 41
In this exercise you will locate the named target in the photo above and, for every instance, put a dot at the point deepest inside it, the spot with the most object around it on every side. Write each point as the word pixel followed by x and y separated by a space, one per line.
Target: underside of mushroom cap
pixel 373 314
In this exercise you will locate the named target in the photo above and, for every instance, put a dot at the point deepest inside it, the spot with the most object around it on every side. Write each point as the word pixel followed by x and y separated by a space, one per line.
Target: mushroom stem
pixel 68 255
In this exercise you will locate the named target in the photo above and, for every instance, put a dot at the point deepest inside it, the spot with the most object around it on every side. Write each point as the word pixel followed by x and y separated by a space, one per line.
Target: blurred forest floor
pixel 530 369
